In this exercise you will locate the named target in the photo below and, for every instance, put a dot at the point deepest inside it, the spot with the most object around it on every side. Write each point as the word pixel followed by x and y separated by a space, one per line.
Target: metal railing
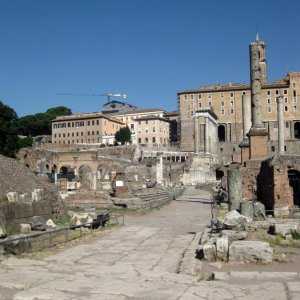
pixel 47 239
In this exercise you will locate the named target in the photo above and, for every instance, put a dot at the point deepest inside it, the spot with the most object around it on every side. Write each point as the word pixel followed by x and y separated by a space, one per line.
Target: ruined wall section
pixel 15 177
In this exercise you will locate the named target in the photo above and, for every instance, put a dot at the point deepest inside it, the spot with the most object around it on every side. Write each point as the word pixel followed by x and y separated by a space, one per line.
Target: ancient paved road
pixel 152 257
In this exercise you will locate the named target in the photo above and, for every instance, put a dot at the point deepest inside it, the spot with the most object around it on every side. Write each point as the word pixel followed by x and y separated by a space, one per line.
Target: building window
pixel 269 101
pixel 192 112
pixel 139 140
pixel 199 96
pixel 231 102
pixel 285 100
pixel 285 92
pixel 72 133
pixel 97 132
pixel 64 135
pixel 93 122
pixel 209 103
pixel 200 104
pixel 286 108
pixel 153 140
pixel 93 132
pixel 72 124
pixel 88 133
pixel 146 122
pixel 286 124
pixel 153 129
pixel 81 133
pixel 209 96
pixel 231 95
pixel 295 108
pixel 55 135
pixel 232 111
pixel 294 84
pixel 192 97
pixel 222 111
pixel 269 93
pixel 69 124
pixel 273 148
pixel 269 109
pixel 68 134
pixel 146 140
pixel 97 122
pixel 222 95
pixel 185 97
pixel 89 123
pixel 277 92
pixel 222 103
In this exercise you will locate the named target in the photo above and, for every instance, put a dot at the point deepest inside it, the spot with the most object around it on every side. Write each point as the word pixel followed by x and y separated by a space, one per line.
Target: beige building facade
pixel 144 126
pixel 88 128
pixel 152 131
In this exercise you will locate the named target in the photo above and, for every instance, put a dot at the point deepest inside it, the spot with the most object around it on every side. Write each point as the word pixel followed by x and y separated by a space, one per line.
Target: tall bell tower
pixel 262 59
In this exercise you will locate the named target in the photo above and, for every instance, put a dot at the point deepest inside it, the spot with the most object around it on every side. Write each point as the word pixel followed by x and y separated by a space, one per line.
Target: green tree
pixel 40 123
pixel 123 135
pixel 25 142
pixel 8 131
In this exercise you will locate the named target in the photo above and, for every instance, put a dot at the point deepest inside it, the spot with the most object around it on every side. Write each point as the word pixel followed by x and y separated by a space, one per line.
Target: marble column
pixel 196 135
pixel 280 125
pixel 246 102
pixel 207 148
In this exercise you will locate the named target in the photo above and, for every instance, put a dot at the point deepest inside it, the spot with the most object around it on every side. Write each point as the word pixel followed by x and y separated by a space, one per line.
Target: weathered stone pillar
pixel 228 139
pixel 258 135
pixel 246 102
pixel 255 77
pixel 206 145
pixel 196 135
pixel 280 125
pixel 159 168
pixel 234 185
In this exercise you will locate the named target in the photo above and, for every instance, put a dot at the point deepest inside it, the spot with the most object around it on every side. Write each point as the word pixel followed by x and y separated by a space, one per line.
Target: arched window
pixel 221 133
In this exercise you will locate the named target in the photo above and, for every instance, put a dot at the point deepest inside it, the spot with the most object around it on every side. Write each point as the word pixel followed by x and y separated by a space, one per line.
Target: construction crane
pixel 108 95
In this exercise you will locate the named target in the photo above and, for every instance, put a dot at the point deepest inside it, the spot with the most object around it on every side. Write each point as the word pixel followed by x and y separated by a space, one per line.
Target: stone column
pixel 206 145
pixel 228 132
pixel 292 130
pixel 234 184
pixel 159 168
pixel 255 77
pixel 280 125
pixel 196 135
pixel 246 101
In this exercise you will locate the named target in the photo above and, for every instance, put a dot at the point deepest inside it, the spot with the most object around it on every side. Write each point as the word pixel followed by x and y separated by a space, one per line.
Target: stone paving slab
pixel 140 261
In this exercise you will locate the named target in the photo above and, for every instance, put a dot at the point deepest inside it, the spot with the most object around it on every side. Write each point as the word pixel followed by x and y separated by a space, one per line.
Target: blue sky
pixel 149 50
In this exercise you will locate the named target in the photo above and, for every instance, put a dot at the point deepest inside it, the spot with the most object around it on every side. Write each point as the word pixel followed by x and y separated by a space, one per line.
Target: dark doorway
pixel 297 130
pixel 294 181
pixel 219 174
pixel 221 133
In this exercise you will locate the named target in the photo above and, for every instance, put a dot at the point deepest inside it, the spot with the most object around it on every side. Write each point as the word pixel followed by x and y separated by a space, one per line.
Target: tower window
pixel 269 101
pixel 286 108
pixel 268 93
pixel 199 96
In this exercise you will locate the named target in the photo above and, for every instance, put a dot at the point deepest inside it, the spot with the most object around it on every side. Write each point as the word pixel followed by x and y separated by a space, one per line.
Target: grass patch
pixel 295 235
pixel 277 241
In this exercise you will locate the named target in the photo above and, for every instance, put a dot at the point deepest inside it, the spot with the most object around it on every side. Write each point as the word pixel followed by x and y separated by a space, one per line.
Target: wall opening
pixel 221 133
pixel 294 181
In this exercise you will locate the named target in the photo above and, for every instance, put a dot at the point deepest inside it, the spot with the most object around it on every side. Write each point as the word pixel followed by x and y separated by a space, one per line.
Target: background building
pixel 226 102
pixel 87 128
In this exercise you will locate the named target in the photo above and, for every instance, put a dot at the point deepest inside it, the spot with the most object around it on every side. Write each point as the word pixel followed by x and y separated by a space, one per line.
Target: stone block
pixel 71 185
pixel 12 197
pixel 25 228
pixel 282 211
pixel 37 195
pixel 259 211
pixel 2 226
pixel 247 209
pixel 285 229
pixel 250 252
pixel 25 198
pixel 38 223
pixel 234 235
pixel 17 245
pixel 209 252
pixel 222 247
pixel 50 224
pixel 234 219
